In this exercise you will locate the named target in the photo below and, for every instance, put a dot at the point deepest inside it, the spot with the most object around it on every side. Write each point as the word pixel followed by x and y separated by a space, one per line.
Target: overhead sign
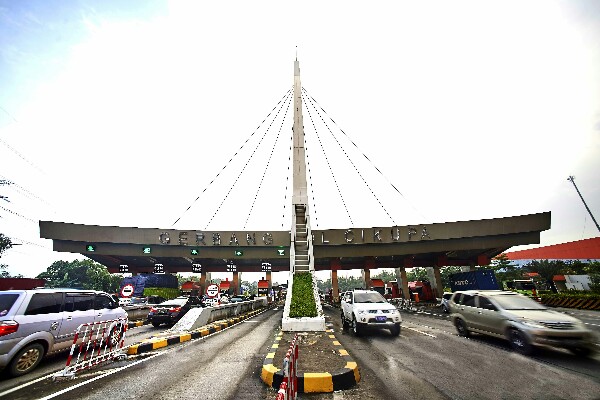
pixel 281 252
pixel 127 290
pixel 146 250
pixel 159 269
pixel 123 268
pixel 196 267
pixel 239 253
pixel 90 247
pixel 212 290
pixel 194 252
pixel 265 267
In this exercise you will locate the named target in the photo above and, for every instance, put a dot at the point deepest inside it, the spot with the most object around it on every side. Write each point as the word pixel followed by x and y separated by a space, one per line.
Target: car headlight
pixel 532 324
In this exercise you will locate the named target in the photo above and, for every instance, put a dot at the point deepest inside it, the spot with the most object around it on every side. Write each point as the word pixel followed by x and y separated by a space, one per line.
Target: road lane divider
pixel 313 382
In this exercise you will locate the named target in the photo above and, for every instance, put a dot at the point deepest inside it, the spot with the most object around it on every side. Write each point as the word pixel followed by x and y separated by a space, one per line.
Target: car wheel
pixel 581 351
pixel 26 360
pixel 519 342
pixel 345 324
pixel 395 330
pixel 356 328
pixel 461 328
pixel 156 324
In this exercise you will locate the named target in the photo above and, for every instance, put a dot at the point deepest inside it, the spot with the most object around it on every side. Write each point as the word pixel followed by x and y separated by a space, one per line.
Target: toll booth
pixel 422 289
pixel 225 287
pixel 263 288
pixel 378 285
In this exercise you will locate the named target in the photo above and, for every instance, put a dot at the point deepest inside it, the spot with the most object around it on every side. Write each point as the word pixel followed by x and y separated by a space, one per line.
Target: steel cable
pixel 268 161
pixel 329 165
pixel 312 103
pixel 367 158
pixel 247 162
pixel 231 159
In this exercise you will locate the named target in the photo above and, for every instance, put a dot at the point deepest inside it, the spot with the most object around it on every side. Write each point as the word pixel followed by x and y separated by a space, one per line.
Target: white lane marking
pixel 53 395
pixel 587 323
pixel 27 384
pixel 421 332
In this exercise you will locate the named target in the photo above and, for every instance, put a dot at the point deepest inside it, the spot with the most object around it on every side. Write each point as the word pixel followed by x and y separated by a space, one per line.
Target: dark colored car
pixel 171 311
pixel 237 299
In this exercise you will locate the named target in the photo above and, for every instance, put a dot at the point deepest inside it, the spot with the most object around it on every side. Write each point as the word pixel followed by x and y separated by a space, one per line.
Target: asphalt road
pixel 427 361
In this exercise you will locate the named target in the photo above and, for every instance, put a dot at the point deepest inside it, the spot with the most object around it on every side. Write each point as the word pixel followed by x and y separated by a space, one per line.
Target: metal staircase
pixel 301 258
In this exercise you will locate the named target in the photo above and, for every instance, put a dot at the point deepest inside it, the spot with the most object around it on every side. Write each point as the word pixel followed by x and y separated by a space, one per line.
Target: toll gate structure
pixel 430 245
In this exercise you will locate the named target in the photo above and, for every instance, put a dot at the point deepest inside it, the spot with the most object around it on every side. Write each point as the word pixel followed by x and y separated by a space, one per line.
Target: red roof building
pixel 586 249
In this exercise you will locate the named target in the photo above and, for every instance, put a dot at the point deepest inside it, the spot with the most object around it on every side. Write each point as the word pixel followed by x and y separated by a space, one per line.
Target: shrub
pixel 303 300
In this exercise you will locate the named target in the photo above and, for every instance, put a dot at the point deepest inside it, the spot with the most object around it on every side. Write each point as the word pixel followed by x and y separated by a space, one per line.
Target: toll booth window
pixel 468 300
pixel 79 302
pixel 44 303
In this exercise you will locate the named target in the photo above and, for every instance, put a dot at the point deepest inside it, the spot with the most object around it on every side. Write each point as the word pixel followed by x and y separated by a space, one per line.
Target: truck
pixel 21 283
pixel 482 279
pixel 164 285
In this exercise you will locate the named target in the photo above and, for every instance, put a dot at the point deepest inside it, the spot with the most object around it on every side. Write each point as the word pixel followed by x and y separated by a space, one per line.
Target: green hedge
pixel 571 295
pixel 303 300
pixel 167 293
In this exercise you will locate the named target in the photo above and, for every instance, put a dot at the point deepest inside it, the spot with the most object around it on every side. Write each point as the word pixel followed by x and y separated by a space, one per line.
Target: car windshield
pixel 516 302
pixel 373 297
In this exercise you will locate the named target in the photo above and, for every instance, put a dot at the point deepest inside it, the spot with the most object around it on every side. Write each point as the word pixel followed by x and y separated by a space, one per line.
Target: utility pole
pixel 572 180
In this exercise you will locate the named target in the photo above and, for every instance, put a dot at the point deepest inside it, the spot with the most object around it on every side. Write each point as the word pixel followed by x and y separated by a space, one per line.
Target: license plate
pixel 380 318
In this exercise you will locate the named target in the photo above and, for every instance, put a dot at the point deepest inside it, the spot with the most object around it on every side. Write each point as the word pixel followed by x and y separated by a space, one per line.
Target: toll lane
pixel 429 361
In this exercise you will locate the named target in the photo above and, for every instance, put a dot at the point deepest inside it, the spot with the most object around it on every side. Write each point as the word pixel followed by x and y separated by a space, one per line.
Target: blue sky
pixel 121 113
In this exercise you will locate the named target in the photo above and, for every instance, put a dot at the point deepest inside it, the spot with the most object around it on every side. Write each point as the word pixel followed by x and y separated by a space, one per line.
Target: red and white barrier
pixel 95 343
pixel 289 386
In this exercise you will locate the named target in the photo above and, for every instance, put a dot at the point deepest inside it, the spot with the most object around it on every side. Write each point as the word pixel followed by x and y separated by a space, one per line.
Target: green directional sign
pixel 239 253
pixel 90 247
pixel 281 252
pixel 146 250
pixel 194 252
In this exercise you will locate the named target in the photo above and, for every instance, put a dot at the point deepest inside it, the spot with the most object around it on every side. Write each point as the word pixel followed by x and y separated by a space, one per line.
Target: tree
pixel 5 243
pixel 5 274
pixel 445 273
pixel 417 274
pixel 385 276
pixel 81 274
pixel 504 270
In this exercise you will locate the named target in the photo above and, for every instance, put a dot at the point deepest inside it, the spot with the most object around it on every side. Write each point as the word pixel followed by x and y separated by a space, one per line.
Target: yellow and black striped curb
pixel 313 382
pixel 159 342
pixel 135 324
pixel 569 302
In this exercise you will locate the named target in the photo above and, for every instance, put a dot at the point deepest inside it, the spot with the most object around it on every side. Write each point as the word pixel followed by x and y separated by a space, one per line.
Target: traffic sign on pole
pixel 212 290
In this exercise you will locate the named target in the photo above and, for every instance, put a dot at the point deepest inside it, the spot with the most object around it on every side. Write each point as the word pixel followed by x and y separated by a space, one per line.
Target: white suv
pixel 362 309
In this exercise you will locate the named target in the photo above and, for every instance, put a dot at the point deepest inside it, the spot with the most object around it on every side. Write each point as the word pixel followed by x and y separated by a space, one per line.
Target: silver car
pixel 523 321
pixel 37 322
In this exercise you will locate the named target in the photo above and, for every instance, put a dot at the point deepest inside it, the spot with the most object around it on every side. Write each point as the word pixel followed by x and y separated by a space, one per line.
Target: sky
pixel 129 113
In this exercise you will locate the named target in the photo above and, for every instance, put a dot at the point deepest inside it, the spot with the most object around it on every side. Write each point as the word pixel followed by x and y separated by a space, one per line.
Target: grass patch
pixel 303 299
